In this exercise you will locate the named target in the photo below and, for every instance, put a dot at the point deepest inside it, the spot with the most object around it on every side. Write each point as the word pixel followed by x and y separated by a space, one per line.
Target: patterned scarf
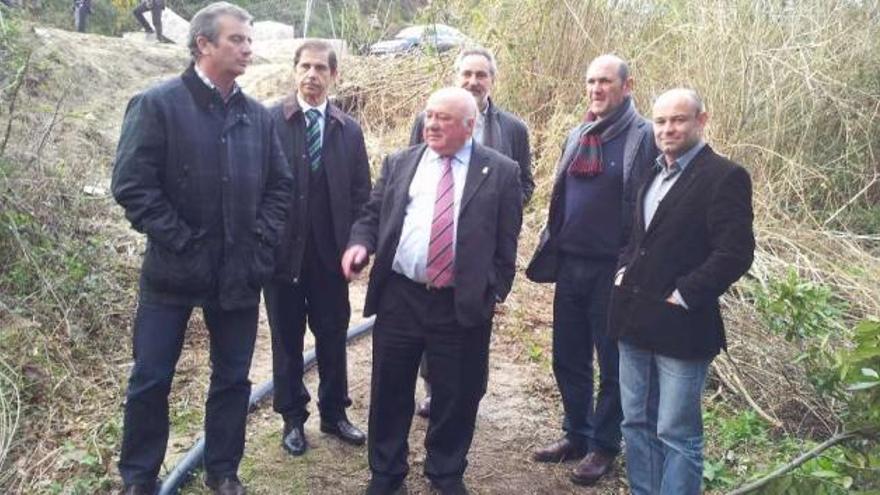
pixel 588 157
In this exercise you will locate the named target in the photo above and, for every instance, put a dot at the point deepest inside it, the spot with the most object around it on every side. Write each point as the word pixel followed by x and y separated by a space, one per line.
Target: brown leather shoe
pixel 595 465
pixel 558 451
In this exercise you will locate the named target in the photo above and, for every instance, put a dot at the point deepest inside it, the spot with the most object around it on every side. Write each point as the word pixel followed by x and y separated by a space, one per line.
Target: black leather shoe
pixel 226 486
pixel 346 431
pixel 147 489
pixel 293 439
pixel 558 451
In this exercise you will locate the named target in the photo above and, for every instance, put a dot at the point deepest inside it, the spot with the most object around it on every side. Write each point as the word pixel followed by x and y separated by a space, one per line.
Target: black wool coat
pixel 207 182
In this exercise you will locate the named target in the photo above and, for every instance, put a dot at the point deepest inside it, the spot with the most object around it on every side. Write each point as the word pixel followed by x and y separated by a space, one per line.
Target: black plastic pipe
pixel 193 459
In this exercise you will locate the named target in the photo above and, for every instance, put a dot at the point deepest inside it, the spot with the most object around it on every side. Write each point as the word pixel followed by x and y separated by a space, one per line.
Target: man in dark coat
pixel 326 152
pixel 602 163
pixel 200 171
pixel 443 222
pixel 692 238
pixel 475 71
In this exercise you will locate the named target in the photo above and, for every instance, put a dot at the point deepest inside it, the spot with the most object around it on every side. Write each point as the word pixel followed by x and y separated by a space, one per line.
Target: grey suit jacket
pixel 505 133
pixel 488 226
pixel 638 157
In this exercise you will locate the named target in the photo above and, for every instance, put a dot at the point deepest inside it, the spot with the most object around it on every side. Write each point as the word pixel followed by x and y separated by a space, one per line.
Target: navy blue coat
pixel 207 182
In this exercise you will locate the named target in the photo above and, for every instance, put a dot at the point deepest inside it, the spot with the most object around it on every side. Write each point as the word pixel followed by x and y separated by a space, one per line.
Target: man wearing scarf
pixel 603 162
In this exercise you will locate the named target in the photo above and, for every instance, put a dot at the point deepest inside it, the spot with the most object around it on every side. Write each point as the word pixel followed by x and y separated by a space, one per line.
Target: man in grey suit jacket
pixel 443 221
pixel 590 214
pixel 475 71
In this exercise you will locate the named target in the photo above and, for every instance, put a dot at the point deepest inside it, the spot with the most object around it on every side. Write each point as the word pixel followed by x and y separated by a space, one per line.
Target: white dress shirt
pixel 321 108
pixel 411 257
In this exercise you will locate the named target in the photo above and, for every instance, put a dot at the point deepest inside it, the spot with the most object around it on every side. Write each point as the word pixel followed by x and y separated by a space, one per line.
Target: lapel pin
pixel 485 170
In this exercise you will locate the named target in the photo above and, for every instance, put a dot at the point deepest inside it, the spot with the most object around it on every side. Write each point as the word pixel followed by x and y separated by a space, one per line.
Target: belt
pixel 420 285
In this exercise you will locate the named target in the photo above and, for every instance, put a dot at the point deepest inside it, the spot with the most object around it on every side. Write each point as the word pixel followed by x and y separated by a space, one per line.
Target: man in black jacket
pixel 326 152
pixel 475 71
pixel 200 171
pixel 692 238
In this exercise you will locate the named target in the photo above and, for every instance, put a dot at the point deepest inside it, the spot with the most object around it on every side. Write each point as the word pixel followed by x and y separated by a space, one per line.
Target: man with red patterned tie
pixel 443 221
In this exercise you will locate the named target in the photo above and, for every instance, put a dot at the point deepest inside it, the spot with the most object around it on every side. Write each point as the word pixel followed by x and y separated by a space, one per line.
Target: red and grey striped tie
pixel 440 269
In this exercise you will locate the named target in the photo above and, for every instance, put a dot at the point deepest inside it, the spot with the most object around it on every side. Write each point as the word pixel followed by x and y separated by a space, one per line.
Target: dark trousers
pixel 412 320
pixel 321 297
pixel 580 306
pixel 155 12
pixel 158 339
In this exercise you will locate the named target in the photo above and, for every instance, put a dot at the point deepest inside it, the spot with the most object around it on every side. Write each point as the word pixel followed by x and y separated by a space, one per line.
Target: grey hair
pixel 206 23
pixel 480 51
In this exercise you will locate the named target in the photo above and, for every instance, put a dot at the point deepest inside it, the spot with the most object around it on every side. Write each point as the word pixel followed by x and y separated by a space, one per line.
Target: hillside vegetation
pixel 793 92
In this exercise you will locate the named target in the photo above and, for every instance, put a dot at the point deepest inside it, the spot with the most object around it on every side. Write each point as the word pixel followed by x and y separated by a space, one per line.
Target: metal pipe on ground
pixel 192 460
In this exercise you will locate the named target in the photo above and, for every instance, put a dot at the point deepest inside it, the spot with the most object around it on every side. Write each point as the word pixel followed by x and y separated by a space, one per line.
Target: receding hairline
pixel 689 94
pixel 622 66
pixel 459 97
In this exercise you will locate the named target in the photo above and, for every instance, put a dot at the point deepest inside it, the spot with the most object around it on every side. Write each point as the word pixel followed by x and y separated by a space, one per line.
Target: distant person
pixel 199 170
pixel 475 71
pixel 81 11
pixel 325 150
pixel 691 239
pixel 603 162
pixel 443 221
pixel 155 7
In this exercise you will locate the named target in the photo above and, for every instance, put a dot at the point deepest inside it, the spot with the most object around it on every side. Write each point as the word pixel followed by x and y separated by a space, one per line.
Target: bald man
pixel 604 160
pixel 692 238
pixel 443 221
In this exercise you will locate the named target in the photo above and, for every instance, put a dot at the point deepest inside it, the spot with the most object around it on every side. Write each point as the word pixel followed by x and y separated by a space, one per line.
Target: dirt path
pixel 519 412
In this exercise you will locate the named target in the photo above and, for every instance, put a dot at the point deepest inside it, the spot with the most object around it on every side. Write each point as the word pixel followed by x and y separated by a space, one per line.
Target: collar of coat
pixel 202 94
pixel 291 107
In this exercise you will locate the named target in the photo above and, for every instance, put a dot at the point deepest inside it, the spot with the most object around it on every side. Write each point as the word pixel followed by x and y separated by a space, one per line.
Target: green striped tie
pixel 313 138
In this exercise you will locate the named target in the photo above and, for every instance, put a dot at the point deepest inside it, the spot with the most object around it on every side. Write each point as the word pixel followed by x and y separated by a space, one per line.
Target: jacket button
pixel 225 179
pixel 642 252
pixel 636 290
pixel 223 140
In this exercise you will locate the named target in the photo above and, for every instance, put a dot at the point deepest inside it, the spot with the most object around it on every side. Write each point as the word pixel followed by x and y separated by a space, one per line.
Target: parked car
pixel 419 37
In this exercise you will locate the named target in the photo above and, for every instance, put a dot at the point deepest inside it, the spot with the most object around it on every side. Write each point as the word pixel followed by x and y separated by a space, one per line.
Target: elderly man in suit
pixel 692 238
pixel 443 221
pixel 475 71
pixel 325 150
pixel 603 161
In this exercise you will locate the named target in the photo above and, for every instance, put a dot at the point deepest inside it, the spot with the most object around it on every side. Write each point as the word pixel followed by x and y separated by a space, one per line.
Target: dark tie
pixel 313 138
pixel 441 259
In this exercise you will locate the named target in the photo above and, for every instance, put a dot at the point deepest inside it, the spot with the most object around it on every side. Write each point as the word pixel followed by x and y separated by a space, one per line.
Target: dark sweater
pixel 592 222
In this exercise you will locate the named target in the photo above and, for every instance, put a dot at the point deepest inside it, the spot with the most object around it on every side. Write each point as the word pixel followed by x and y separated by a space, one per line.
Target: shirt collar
pixel 306 107
pixel 209 83
pixel 681 162
pixel 463 154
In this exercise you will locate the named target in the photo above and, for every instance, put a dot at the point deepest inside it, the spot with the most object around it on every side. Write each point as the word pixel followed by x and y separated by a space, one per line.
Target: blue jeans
pixel 580 306
pixel 662 421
